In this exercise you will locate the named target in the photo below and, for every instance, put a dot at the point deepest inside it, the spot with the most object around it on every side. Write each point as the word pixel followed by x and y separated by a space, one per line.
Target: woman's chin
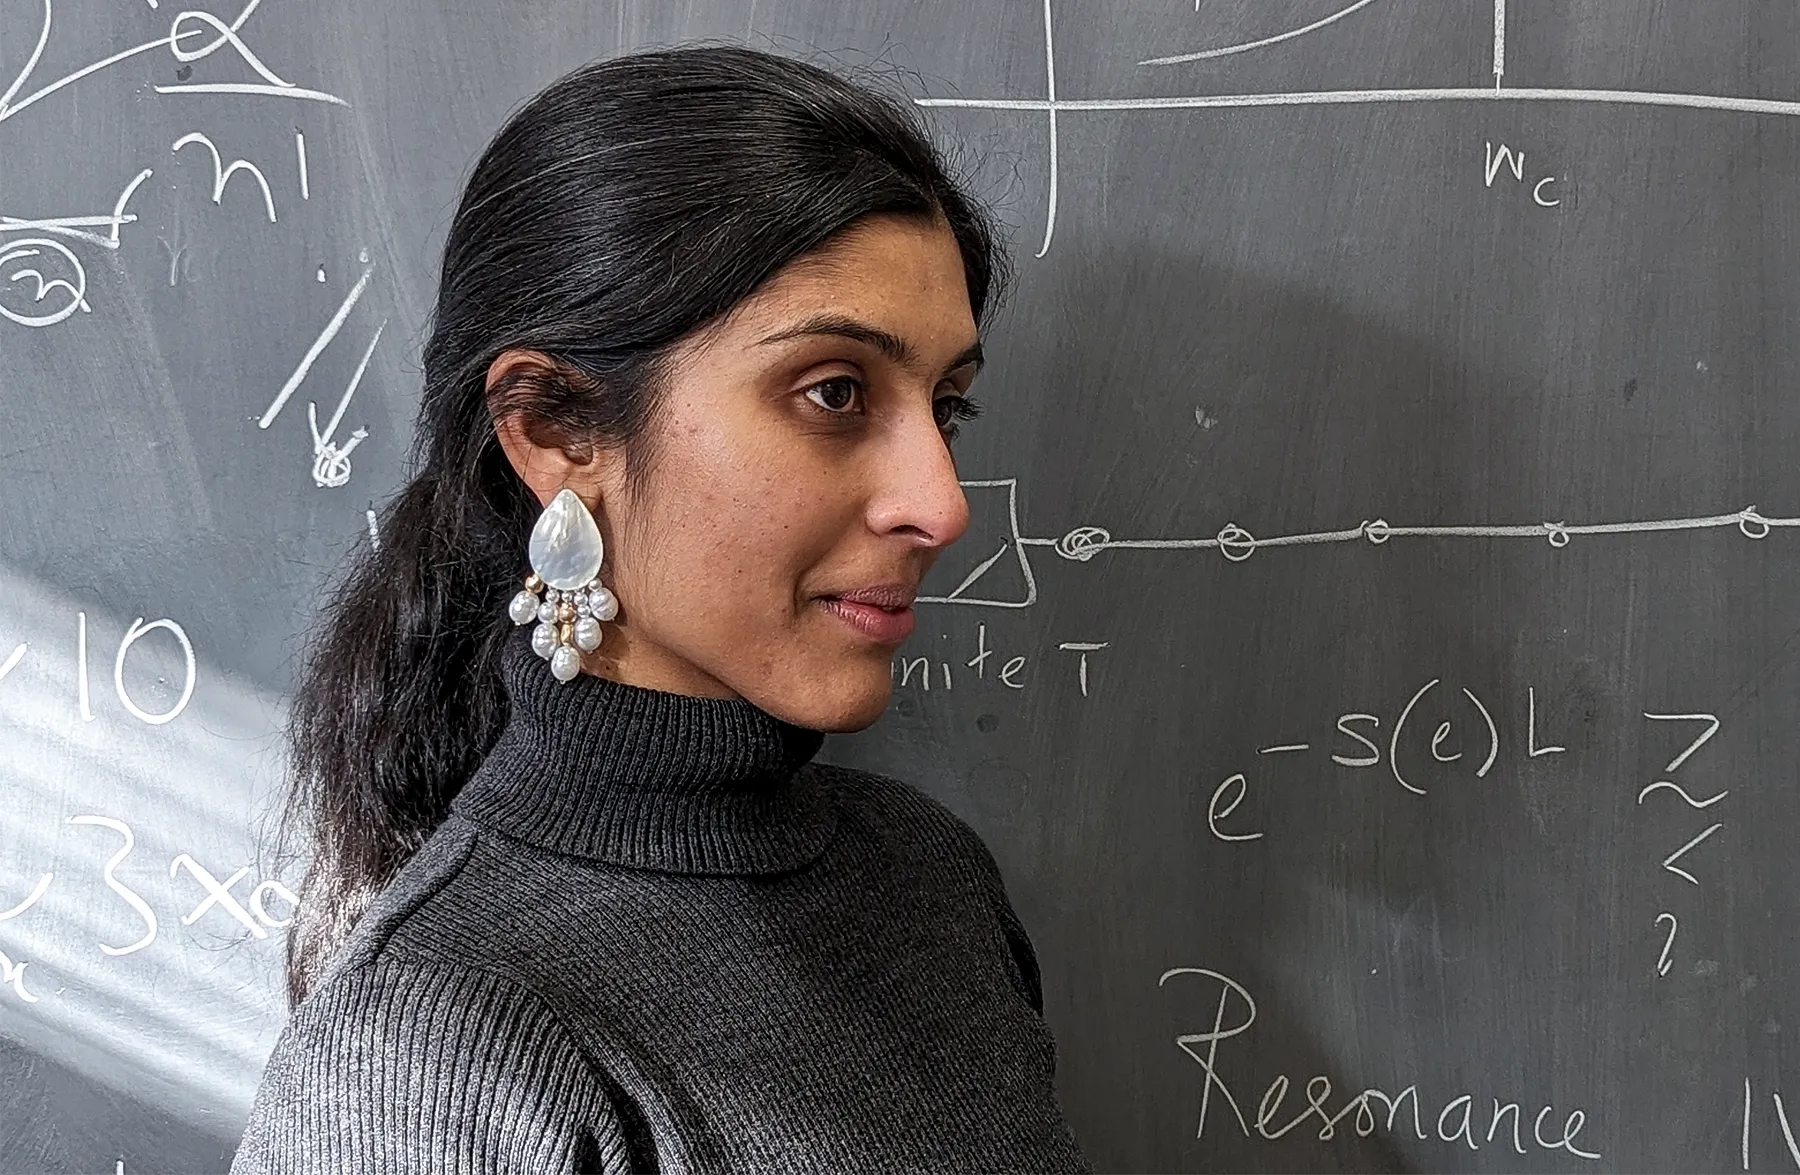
pixel 840 703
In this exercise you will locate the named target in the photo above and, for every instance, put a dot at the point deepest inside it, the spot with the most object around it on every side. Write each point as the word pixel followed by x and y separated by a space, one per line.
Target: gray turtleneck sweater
pixel 653 936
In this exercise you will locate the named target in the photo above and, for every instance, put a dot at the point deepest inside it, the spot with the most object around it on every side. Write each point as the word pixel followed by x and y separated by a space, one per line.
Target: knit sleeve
pixel 409 1067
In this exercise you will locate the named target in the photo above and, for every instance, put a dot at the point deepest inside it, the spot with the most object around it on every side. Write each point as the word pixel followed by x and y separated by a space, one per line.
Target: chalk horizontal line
pixel 1369 97
pixel 297 92
pixel 1084 542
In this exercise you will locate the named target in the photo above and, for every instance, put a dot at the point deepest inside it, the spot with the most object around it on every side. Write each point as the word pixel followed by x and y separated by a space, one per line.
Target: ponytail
pixel 399 700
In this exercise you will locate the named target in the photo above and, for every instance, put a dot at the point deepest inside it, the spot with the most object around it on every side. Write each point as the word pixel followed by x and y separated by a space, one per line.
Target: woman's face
pixel 800 457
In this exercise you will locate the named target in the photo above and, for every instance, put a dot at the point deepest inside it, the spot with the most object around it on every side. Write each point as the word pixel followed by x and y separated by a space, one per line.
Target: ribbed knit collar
pixel 646 778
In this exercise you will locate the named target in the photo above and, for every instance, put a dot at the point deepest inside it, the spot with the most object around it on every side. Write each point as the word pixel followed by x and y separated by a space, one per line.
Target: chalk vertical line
pixel 1012 525
pixel 1499 41
pixel 1050 94
pixel 81 663
pixel 300 153
pixel 1746 1143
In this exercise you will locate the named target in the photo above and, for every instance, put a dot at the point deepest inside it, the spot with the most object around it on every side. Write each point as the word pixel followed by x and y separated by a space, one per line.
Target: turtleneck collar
pixel 646 778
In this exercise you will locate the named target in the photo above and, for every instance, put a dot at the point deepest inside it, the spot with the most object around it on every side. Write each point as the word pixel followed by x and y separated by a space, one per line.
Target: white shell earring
pixel 566 551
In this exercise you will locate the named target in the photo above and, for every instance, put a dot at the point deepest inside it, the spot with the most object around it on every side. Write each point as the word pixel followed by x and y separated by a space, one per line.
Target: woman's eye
pixel 950 409
pixel 836 394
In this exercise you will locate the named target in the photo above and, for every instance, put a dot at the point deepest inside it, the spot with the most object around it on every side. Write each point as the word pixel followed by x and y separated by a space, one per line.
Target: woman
pixel 706 325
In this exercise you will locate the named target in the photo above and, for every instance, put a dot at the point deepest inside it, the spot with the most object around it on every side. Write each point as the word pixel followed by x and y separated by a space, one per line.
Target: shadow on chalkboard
pixel 58 1121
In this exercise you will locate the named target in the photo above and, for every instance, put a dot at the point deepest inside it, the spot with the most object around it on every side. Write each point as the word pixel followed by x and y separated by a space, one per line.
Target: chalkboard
pixel 1373 660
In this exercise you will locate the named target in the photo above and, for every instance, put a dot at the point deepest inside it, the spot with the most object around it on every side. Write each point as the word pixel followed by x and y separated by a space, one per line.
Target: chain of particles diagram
pixel 1052 105
pixel 1234 542
pixel 1237 544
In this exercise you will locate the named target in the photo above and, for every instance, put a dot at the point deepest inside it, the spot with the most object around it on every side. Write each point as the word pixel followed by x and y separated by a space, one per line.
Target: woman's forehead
pixel 896 285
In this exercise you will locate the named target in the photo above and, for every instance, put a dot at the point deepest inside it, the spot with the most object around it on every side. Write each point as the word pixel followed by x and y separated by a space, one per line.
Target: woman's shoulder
pixel 430 1013
pixel 885 806
pixel 405 965
pixel 395 1063
pixel 395 993
pixel 414 894
pixel 454 912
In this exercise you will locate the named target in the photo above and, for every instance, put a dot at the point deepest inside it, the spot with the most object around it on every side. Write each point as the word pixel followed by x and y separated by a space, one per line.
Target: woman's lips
pixel 888 626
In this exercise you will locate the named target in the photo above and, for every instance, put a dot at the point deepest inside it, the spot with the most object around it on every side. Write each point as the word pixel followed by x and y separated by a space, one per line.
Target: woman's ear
pixel 545 457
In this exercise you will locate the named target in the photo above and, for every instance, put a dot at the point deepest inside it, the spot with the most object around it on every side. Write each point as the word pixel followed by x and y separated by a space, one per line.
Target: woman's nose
pixel 920 496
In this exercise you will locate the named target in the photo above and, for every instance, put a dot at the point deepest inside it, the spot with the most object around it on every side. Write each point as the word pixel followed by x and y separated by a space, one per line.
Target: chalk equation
pixel 1052 104
pixel 251 913
pixel 135 632
pixel 1237 544
pixel 43 280
pixel 1361 741
pixel 1360 745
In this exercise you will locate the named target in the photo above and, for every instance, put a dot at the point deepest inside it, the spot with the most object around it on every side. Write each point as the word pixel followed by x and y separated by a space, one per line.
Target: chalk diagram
pixel 1051 104
pixel 1237 544
pixel 1012 559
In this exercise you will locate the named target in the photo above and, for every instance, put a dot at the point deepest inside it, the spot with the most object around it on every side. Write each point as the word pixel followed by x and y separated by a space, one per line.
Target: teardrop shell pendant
pixel 563 594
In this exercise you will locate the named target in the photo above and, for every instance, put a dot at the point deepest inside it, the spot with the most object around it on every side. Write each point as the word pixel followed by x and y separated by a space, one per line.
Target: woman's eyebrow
pixel 887 342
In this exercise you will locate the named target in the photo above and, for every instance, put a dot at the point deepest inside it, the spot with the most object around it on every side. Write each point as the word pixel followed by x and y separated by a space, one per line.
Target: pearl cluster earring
pixel 566 551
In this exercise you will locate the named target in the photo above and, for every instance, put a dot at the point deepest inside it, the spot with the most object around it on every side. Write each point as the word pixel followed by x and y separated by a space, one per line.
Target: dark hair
pixel 630 203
